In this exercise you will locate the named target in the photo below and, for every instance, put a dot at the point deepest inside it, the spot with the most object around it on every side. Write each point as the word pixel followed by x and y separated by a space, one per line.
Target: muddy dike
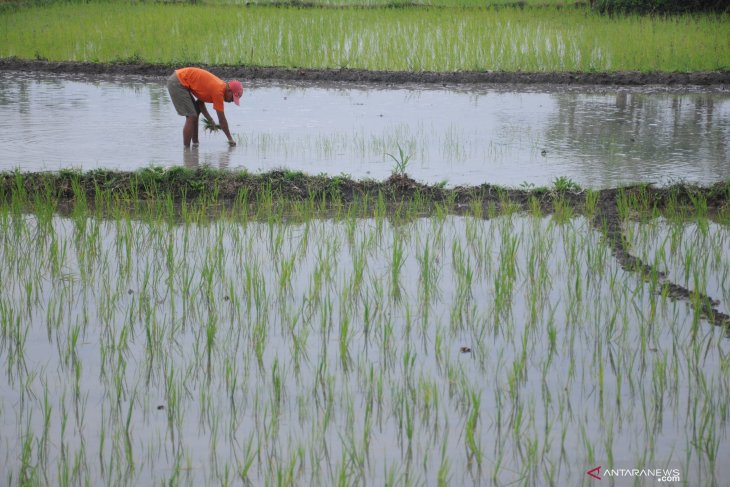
pixel 386 77
pixel 163 192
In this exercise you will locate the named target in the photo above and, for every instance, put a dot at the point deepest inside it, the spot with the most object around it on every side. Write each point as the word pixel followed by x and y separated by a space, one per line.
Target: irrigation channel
pixel 187 342
pixel 466 134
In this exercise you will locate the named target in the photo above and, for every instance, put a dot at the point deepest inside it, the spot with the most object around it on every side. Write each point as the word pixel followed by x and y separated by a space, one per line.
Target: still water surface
pixel 151 353
pixel 508 135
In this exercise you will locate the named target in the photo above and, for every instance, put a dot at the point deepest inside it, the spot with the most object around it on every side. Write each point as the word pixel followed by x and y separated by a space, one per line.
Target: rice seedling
pixel 401 161
pixel 210 126
pixel 355 346
pixel 547 39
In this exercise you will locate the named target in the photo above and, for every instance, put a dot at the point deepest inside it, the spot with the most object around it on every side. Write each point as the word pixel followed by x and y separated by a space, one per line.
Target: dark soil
pixel 387 77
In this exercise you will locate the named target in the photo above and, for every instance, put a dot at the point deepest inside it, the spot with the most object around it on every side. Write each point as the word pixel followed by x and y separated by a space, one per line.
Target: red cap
pixel 237 89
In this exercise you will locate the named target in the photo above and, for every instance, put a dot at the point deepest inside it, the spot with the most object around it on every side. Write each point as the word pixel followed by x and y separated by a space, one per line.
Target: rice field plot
pixel 396 4
pixel 172 347
pixel 414 39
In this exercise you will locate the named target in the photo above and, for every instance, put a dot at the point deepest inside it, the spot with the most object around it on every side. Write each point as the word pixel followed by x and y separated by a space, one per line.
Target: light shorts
pixel 181 97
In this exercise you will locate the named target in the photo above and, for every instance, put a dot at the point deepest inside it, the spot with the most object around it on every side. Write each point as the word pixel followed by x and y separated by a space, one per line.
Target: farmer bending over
pixel 191 88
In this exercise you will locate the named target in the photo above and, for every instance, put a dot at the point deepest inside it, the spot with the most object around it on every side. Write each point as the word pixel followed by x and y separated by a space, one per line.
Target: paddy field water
pixel 509 135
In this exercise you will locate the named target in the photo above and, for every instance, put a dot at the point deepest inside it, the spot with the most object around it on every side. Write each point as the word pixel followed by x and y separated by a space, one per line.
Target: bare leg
pixel 195 131
pixel 190 129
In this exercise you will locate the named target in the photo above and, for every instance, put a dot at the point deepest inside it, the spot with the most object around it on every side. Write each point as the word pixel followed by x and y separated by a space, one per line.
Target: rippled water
pixel 509 135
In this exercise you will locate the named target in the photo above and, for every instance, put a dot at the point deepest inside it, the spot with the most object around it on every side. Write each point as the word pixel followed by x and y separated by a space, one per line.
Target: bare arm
pixel 223 122
pixel 204 111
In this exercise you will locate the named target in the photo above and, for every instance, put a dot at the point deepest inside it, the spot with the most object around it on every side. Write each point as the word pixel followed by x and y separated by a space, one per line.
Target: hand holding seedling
pixel 210 125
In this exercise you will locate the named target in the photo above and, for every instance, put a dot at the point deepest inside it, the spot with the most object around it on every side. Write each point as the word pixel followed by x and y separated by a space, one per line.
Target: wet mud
pixel 385 77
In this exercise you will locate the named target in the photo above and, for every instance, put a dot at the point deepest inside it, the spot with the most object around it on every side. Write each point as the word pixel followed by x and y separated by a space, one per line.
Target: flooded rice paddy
pixel 506 135
pixel 166 346
pixel 450 350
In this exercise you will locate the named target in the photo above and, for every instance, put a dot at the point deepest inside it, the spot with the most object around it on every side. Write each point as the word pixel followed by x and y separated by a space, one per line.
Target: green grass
pixel 400 3
pixel 11 5
pixel 412 39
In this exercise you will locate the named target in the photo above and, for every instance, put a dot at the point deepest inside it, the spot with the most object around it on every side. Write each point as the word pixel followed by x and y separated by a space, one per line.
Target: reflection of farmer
pixel 191 88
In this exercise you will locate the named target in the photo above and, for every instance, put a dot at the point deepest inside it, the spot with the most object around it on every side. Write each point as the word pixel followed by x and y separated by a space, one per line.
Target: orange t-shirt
pixel 204 85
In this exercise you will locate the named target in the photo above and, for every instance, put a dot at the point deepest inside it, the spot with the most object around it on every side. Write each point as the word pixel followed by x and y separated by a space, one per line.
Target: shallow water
pixel 507 135
pixel 146 353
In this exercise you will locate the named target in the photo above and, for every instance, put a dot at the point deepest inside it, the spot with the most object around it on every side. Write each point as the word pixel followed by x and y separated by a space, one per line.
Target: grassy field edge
pixel 221 186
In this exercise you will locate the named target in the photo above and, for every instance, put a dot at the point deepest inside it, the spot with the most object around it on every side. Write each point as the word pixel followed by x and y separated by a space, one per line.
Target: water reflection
pixel 221 159
pixel 642 137
pixel 191 157
pixel 464 135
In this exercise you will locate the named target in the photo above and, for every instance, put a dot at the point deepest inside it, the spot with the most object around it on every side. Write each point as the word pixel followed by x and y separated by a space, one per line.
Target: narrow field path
pixel 387 77
pixel 608 222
